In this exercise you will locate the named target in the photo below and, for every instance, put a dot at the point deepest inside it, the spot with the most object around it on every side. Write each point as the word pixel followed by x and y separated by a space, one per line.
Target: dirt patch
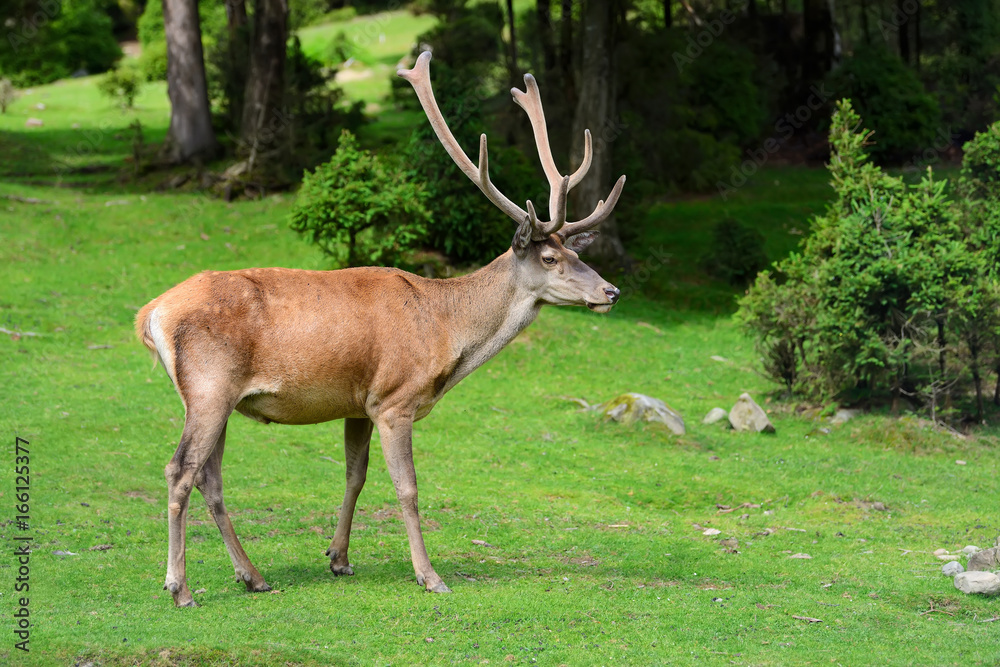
pixel 142 496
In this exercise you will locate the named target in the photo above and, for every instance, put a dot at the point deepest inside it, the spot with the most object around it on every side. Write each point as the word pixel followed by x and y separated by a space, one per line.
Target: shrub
pixel 737 253
pixel 888 95
pixel 892 294
pixel 980 175
pixel 357 210
pixel 122 85
pixel 76 37
pixel 153 61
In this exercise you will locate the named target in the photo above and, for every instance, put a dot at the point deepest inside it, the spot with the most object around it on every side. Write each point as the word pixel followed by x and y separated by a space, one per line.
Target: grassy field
pixel 597 553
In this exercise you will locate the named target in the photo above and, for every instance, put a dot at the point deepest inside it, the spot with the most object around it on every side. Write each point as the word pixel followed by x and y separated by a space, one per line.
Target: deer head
pixel 545 252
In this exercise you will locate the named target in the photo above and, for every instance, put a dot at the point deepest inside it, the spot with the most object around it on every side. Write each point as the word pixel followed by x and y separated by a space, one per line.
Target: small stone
pixel 34 122
pixel 985 560
pixel 711 531
pixel 940 552
pixel 715 415
pixel 746 415
pixel 200 591
pixel 805 556
pixel 949 557
pixel 984 583
pixel 631 407
pixel 952 568
pixel 971 549
pixel 844 415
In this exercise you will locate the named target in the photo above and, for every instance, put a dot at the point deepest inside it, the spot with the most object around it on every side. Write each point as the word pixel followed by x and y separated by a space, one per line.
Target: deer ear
pixel 579 242
pixel 522 238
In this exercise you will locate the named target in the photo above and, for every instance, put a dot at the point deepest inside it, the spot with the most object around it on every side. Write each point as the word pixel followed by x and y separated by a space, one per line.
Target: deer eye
pixel 549 260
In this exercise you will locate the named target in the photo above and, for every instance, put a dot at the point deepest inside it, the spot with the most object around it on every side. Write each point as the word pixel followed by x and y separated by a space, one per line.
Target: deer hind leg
pixel 357 436
pixel 397 445
pixel 209 482
pixel 201 433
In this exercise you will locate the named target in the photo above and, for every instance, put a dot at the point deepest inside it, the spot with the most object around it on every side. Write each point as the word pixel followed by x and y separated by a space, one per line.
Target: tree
pixel 263 122
pixel 595 110
pixel 190 136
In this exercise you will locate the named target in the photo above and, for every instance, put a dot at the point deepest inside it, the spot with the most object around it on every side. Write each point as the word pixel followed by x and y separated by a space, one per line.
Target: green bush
pixel 359 211
pixel 153 61
pixel 122 84
pixel 893 294
pixel 76 37
pixel 980 175
pixel 737 253
pixel 888 95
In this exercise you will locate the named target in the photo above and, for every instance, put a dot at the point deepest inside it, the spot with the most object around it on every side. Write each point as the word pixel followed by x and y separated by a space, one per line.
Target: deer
pixel 376 347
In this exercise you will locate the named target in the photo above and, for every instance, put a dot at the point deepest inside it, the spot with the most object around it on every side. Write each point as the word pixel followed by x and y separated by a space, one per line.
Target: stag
pixel 373 346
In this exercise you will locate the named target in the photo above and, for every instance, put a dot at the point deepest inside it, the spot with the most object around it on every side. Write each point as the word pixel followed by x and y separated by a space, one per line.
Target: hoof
pixel 341 570
pixel 439 588
pixel 172 587
pixel 189 603
pixel 257 588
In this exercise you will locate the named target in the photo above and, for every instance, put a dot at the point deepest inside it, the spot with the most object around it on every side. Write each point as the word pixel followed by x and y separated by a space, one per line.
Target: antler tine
pixel 530 99
pixel 419 78
pixel 600 213
pixel 558 211
pixel 588 155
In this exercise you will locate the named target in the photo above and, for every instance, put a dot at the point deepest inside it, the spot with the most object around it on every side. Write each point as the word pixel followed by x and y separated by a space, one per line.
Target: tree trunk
pixel 918 42
pixel 904 32
pixel 515 73
pixel 818 44
pixel 546 33
pixel 566 49
pixel 668 14
pixel 239 59
pixel 263 122
pixel 595 110
pixel 190 136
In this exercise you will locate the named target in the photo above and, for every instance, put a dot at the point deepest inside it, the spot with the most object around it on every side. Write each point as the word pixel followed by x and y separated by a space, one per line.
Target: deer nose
pixel 612 293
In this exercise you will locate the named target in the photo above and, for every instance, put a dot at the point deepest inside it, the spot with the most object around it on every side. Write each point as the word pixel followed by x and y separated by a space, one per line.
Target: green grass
pixel 376 41
pixel 596 558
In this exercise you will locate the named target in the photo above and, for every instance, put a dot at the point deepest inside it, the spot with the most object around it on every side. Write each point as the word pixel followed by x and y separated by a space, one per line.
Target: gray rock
pixel 984 583
pixel 952 568
pixel 746 415
pixel 985 560
pixel 629 408
pixel 715 415
pixel 970 550
pixel 844 415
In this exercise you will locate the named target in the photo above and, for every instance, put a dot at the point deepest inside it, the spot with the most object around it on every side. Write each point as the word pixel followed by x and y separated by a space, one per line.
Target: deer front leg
pixel 357 436
pixel 397 445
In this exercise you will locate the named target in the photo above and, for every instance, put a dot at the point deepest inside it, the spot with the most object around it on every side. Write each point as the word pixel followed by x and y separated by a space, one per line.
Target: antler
pixel 559 186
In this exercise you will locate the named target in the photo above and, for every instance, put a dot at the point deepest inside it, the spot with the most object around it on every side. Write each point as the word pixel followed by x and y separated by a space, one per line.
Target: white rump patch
pixel 163 348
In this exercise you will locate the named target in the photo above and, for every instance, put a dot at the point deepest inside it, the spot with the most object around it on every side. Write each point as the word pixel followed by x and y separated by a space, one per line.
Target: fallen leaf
pixel 64 553
pixel 204 236
pixel 716 357
pixel 808 618
pixel 960 462
pixel 100 547
pixel 200 591
pixel 483 543
pixel 800 556
pixel 711 531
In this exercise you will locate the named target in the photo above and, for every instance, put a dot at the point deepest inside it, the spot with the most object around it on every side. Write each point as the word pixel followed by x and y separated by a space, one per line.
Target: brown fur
pixel 372 345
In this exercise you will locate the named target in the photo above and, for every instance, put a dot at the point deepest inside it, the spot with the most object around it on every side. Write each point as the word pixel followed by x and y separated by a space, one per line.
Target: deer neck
pixel 487 309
